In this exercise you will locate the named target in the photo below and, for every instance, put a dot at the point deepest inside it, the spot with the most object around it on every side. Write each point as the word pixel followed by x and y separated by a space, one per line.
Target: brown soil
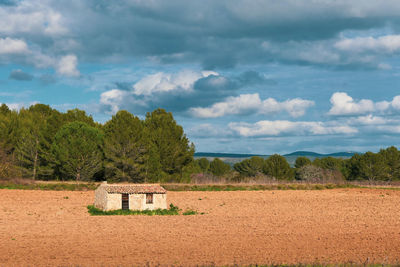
pixel 264 227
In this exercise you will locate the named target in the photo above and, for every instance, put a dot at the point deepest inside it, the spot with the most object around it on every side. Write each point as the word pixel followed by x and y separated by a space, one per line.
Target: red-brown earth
pixel 47 228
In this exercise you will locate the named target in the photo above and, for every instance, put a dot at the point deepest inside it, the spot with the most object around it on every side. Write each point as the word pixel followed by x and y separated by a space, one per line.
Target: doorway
pixel 125 201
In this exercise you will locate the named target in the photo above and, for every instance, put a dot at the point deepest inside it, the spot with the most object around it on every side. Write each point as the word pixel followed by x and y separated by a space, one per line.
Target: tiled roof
pixel 135 189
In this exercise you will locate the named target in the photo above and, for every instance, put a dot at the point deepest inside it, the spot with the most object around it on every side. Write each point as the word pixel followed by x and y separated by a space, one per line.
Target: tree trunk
pixel 35 160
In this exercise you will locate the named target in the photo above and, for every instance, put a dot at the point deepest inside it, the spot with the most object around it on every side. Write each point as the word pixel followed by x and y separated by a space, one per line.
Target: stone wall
pixel 138 202
pixel 107 201
pixel 100 198
pixel 114 201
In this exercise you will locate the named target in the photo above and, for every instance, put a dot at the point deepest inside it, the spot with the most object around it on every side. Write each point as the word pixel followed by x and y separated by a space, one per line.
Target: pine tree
pixel 278 167
pixel 168 146
pixel 219 168
pixel 77 148
pixel 124 148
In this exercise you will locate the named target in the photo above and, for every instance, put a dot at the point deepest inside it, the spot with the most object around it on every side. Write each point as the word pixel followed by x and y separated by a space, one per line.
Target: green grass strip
pixel 50 186
pixel 173 210
pixel 256 187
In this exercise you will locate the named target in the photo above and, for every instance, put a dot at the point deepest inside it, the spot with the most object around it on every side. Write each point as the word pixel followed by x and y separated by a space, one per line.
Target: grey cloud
pixel 203 92
pixel 19 75
pixel 216 34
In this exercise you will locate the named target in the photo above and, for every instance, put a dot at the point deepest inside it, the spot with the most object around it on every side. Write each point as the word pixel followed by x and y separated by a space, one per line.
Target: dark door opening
pixel 125 201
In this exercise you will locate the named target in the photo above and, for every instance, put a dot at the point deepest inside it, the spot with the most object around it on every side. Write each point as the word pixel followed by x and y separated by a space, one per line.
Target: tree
pixel 79 115
pixel 124 148
pixel 372 166
pixel 168 146
pixel 219 168
pixel 278 167
pixel 250 167
pixel 204 164
pixel 7 166
pixel 329 163
pixel 391 158
pixel 77 148
pixel 302 161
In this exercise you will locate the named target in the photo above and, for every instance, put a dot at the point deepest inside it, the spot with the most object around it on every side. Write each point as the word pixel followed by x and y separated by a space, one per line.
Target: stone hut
pixel 130 196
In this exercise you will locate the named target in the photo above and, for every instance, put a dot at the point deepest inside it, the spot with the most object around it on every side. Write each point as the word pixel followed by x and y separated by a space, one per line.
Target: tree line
pixel 42 143
pixel 381 166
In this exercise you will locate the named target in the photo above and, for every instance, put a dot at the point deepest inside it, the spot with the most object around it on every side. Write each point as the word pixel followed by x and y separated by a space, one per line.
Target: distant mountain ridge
pixel 297 153
pixel 233 158
pixel 314 154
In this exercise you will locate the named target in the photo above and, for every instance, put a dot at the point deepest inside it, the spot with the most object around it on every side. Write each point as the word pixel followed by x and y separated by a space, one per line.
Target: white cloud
pixel 68 66
pixel 383 44
pixel 118 99
pixel 284 127
pixel 396 102
pixel 32 17
pixel 368 120
pixel 343 104
pixel 13 46
pixel 251 103
pixel 165 82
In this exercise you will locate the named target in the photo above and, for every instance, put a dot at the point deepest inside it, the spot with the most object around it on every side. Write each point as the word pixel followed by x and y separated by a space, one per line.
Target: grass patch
pixel 173 210
pixel 50 186
pixel 190 212
pixel 255 187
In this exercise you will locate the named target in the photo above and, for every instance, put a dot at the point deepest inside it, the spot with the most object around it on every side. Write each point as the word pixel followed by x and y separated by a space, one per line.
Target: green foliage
pixel 77 149
pixel 277 166
pixel 373 167
pixel 168 146
pixel 391 158
pixel 204 164
pixel 302 161
pixel 124 148
pixel 35 134
pixel 173 210
pixel 48 186
pixel 189 212
pixel 250 167
pixel 219 168
pixel 329 163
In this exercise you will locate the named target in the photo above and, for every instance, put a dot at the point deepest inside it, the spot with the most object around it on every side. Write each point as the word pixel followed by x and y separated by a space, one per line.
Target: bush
pixel 314 174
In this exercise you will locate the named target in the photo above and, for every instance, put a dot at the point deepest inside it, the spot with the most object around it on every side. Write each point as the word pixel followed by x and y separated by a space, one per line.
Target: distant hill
pixel 223 155
pixel 317 155
pixel 232 158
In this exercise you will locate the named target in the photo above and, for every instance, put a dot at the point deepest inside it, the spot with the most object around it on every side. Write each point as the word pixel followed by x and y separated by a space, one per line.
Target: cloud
pixel 19 75
pixel 345 105
pixel 165 82
pixel 114 100
pixel 369 120
pixel 12 46
pixel 251 103
pixel 382 44
pixel 284 127
pixel 176 91
pixel 68 66
pixel 215 34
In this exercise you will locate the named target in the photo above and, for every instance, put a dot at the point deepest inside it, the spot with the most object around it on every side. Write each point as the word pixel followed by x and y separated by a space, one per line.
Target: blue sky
pixel 245 76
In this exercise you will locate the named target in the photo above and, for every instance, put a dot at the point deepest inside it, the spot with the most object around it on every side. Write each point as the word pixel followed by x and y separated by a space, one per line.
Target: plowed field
pixel 261 227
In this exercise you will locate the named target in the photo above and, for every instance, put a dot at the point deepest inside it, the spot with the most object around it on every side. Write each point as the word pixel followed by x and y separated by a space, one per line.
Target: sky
pixel 240 76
